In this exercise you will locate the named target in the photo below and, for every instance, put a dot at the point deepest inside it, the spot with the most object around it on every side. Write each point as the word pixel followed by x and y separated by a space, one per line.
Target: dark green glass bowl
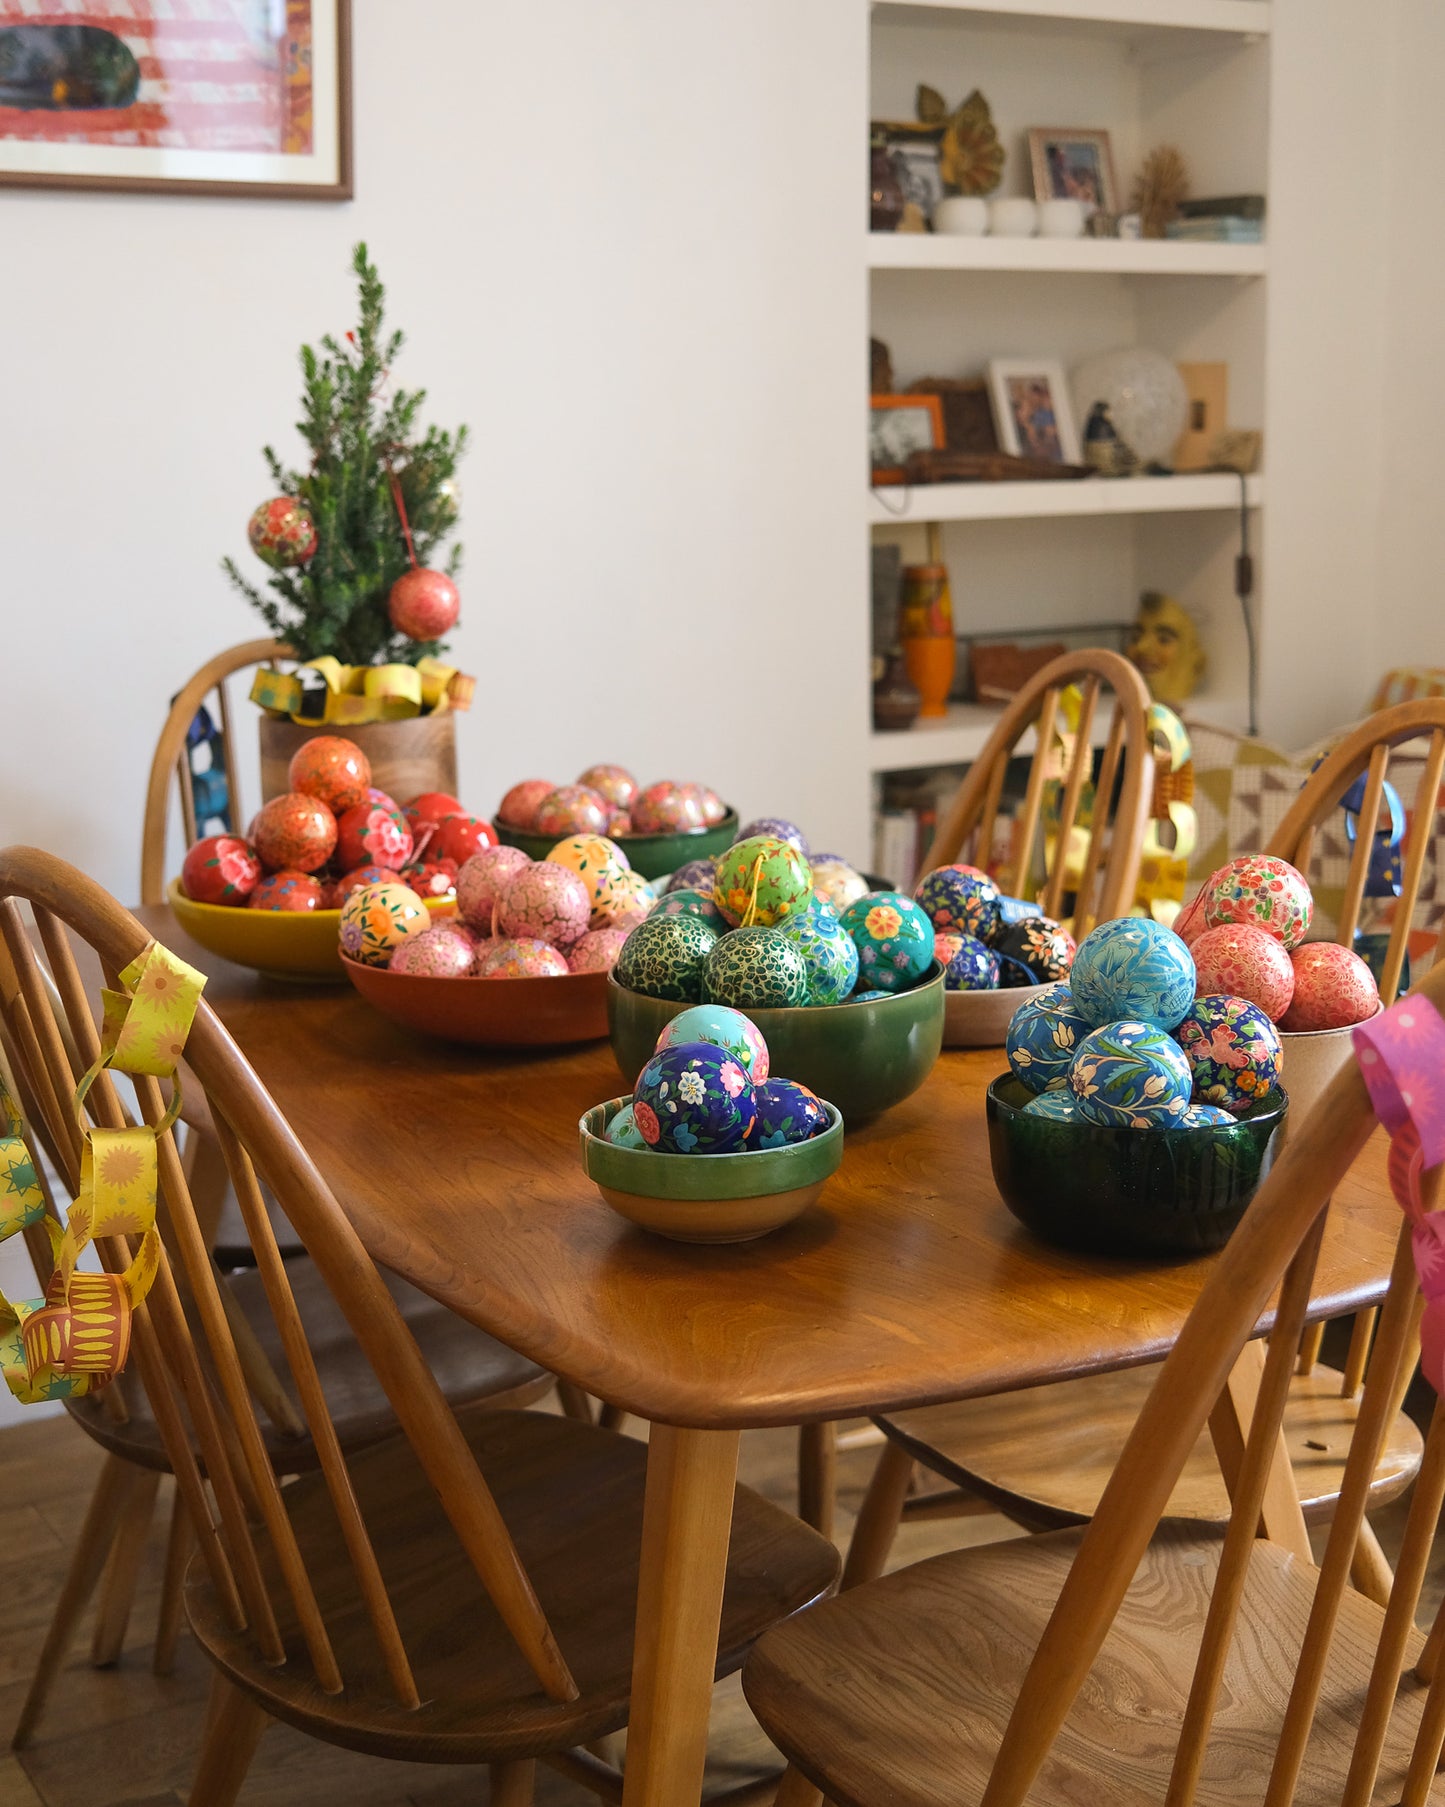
pixel 862 1057
pixel 1128 1191
pixel 653 855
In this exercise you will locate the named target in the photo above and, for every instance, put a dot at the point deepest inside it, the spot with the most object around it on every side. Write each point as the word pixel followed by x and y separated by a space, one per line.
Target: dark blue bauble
pixel 693 1099
pixel 973 968
pixel 1035 951
pixel 695 875
pixel 959 900
pixel 787 1112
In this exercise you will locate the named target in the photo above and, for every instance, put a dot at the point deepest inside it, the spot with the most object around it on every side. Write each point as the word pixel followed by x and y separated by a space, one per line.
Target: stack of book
pixel 1220 220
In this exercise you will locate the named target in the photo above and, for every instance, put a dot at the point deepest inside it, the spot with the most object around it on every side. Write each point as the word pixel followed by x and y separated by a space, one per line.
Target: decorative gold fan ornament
pixel 970 157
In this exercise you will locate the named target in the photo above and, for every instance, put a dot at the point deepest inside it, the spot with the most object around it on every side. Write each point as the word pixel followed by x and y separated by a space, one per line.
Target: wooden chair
pixel 462 1590
pixel 1140 1661
pixel 1042 1457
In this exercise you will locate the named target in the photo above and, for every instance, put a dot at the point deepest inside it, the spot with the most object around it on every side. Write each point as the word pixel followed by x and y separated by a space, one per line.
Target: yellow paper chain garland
pixel 77 1338
pixel 357 694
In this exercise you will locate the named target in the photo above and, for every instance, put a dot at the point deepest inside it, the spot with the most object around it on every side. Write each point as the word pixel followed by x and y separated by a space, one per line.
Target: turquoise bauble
pixel 894 940
pixel 828 951
pixel 1134 969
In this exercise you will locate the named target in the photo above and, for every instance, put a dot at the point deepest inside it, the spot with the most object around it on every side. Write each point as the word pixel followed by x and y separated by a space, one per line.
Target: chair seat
pixel 572 1496
pixel 1043 1456
pixel 468 1364
pixel 898 1692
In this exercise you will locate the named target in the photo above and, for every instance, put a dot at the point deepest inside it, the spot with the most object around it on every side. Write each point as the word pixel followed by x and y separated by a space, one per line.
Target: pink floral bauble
pixel 1241 961
pixel 597 951
pixel 373 834
pixel 614 782
pixel 1333 988
pixel 545 902
pixel 482 880
pixel 518 809
pixel 1191 921
pixel 1262 892
pixel 572 809
pixel 442 952
pixel 519 957
pixel 666 808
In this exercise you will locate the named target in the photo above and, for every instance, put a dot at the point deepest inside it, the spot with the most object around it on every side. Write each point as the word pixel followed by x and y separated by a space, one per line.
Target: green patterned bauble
pixel 830 956
pixel 762 880
pixel 663 958
pixel 754 969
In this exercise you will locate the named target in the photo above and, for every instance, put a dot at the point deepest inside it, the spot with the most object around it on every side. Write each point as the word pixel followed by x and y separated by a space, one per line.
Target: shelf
pixel 1127 18
pixel 1074 256
pixel 955 739
pixel 1060 498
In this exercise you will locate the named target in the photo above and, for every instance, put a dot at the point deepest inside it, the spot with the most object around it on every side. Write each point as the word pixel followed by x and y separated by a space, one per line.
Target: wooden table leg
pixel 686 1523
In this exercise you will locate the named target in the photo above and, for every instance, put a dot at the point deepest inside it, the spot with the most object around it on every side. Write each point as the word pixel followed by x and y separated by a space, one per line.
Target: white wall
pixel 624 243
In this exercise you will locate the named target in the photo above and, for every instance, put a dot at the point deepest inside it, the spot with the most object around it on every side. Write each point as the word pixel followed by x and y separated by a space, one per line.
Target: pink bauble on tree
pixel 423 604
pixel 282 533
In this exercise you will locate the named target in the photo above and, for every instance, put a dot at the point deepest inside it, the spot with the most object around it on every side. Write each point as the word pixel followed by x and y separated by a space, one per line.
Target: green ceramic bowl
pixel 653 855
pixel 708 1197
pixel 1128 1191
pixel 865 1057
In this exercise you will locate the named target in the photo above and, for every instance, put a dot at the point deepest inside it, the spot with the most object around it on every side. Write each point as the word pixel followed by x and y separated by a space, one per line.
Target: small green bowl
pixel 865 1057
pixel 708 1197
pixel 1128 1191
pixel 653 855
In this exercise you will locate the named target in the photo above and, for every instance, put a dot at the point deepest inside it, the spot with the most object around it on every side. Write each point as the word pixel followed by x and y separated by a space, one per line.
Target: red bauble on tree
pixel 282 533
pixel 423 604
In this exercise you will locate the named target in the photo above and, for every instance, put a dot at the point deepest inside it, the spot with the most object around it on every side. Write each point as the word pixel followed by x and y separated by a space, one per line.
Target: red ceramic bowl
pixel 494 1013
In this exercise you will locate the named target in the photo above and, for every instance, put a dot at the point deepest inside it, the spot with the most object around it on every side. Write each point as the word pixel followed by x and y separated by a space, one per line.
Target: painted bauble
pixel 786 1112
pixel 894 940
pixel 779 828
pixel 1131 1075
pixel 290 891
pixel 693 1099
pixel 571 809
pixel 1238 960
pixel 1191 922
pixel 1266 893
pixel 372 834
pixel 622 1131
pixel 691 903
pixel 545 902
pixel 423 604
pixel 1059 1107
pixel 1233 1051
pixel 727 1029
pixel 431 878
pixel 1043 1037
pixel 384 800
pixel 1333 988
pixel 459 836
pixel 664 956
pixel 612 782
pixel 221 869
pixel 376 920
pixel 621 823
pixel 432 806
pixel 518 809
pixel 296 833
pixel 596 951
pixel 870 997
pixel 665 808
pixel 440 952
pixel 714 810
pixel 282 533
pixel 755 969
pixel 598 862
pixel 1206 1116
pixel 332 769
pixel 356 878
pixel 1035 951
pixel 481 881
pixel 694 875
pixel 971 966
pixel 623 902
pixel 1132 967
pixel 960 899
pixel 836 882
pixel 519 957
pixel 829 952
pixel 762 880
pixel 945 946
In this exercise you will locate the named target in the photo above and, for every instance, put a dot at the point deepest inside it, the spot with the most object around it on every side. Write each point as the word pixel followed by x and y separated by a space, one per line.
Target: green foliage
pixel 357 426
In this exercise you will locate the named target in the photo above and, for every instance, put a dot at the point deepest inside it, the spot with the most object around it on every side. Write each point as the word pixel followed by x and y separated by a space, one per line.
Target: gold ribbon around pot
pixel 76 1339
pixel 357 694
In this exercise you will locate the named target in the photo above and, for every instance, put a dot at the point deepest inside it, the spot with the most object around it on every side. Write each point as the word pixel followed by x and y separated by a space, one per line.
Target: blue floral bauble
pixel 1062 1107
pixel 787 1112
pixel 1206 1116
pixel 777 826
pixel 829 955
pixel 1132 968
pixel 971 966
pixel 1233 1050
pixel 1033 951
pixel 694 1099
pixel 960 900
pixel 695 875
pixel 1043 1037
pixel 727 1029
pixel 691 903
pixel 622 1131
pixel 868 997
pixel 1131 1075
pixel 894 940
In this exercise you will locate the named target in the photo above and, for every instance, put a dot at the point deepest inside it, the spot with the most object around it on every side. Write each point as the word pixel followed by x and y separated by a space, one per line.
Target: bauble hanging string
pixel 423 604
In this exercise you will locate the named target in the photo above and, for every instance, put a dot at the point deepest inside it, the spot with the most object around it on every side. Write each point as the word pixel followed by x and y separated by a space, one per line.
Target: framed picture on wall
pixel 222 97
pixel 899 426
pixel 1031 410
pixel 1074 163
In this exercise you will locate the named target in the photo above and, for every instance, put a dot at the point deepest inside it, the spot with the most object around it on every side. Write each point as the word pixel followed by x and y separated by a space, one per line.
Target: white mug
pixel 1013 217
pixel 1061 219
pixel 963 216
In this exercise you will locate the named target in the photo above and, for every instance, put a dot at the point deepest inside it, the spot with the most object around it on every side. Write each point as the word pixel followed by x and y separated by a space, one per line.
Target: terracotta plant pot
pixel 407 757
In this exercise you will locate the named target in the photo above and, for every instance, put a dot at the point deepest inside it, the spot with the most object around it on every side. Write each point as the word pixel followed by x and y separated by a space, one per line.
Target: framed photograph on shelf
pixel 1074 163
pixel 1031 410
pixel 177 97
pixel 914 151
pixel 898 426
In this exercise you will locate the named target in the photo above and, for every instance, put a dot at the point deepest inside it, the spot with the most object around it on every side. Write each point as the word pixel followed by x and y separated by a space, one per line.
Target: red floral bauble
pixel 431 878
pixel 1239 960
pixel 291 891
pixel 354 880
pixel 519 807
pixel 294 833
pixel 423 604
pixel 222 869
pixel 373 834
pixel 1333 988
pixel 459 836
pixel 281 533
pixel 333 769
pixel 431 806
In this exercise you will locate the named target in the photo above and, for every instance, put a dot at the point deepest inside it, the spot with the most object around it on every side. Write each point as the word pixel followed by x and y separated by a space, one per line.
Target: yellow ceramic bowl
pixel 283 944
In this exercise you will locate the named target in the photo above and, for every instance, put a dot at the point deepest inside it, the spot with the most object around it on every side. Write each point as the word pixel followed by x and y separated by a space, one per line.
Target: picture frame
pixel 898 426
pixel 1032 413
pixel 258 105
pixel 1074 163
pixel 914 151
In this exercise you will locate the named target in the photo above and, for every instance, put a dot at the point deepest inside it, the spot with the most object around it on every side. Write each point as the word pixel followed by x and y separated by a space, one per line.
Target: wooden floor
pixel 119 1735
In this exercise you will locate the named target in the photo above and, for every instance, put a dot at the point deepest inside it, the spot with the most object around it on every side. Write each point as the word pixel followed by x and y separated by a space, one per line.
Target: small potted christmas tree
pixel 361 592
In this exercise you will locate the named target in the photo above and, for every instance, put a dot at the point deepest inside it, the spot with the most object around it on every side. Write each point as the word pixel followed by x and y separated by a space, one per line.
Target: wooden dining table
pixel 907 1284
